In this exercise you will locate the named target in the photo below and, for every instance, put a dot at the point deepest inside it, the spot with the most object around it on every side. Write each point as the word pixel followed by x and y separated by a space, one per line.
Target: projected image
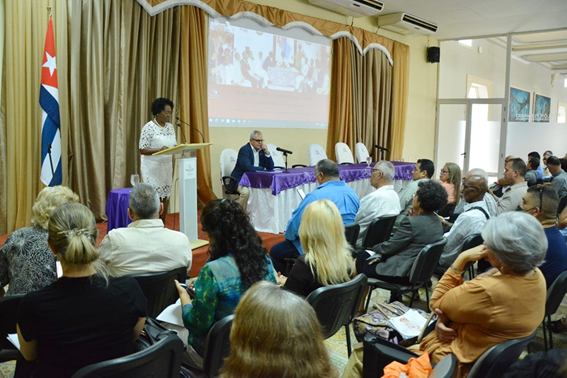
pixel 261 78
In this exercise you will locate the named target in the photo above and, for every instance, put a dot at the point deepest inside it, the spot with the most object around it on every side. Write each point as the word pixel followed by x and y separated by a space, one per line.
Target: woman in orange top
pixel 510 304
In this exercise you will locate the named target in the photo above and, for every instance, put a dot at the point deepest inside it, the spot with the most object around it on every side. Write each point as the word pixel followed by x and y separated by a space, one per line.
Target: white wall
pixel 489 63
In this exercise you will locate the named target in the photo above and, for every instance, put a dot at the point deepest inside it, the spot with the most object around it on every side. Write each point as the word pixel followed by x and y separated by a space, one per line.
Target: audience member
pixel 541 202
pixel 145 246
pixel 237 260
pixel 393 259
pixel 471 221
pixel 84 317
pixel 558 176
pixel 514 173
pixel 381 203
pixel 253 156
pixel 327 258
pixel 288 342
pixel 489 199
pixel 501 184
pixel 331 188
pixel 537 164
pixel 423 170
pixel 478 314
pixel 532 173
pixel 546 155
pixel 450 177
pixel 26 262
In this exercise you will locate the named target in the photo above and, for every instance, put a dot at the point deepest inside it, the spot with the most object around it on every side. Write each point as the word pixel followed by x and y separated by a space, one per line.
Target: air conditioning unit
pixel 353 8
pixel 404 23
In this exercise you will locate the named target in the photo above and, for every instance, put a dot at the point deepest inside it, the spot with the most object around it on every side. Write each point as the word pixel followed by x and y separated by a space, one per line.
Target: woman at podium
pixel 157 135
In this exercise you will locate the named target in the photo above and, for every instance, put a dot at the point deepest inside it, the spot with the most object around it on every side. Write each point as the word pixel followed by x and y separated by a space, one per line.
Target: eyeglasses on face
pixel 443 171
pixel 258 140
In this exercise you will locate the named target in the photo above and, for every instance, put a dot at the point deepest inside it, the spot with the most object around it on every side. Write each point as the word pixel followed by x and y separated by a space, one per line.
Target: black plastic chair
pixel 471 241
pixel 159 288
pixel 420 274
pixel 217 348
pixel 447 210
pixel 8 312
pixel 495 361
pixel 378 231
pixel 378 353
pixel 337 305
pixel 351 233
pixel 555 295
pixel 562 204
pixel 163 359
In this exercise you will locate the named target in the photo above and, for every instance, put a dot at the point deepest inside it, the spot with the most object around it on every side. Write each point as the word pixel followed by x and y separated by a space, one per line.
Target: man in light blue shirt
pixel 539 169
pixel 331 188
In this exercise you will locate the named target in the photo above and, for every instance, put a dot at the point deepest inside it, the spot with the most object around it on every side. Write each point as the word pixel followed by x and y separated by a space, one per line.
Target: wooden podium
pixel 188 189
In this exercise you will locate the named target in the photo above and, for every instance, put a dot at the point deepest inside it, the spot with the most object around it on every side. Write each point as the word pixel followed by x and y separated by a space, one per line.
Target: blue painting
pixel 542 108
pixel 519 105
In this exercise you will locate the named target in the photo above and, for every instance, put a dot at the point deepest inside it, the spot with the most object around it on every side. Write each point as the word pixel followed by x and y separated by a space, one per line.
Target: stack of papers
pixel 409 324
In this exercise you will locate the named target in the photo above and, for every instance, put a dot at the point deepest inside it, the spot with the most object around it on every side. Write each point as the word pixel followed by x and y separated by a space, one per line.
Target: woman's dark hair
pixel 431 195
pixel 230 231
pixel 159 105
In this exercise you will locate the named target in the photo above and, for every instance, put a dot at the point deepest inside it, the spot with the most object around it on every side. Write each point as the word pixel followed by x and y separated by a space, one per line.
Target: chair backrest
pixel 562 204
pixel 351 233
pixel 277 157
pixel 361 152
pixel 426 261
pixel 496 360
pixel 316 153
pixel 159 288
pixel 555 294
pixel 379 231
pixel 472 241
pixel 163 359
pixel 336 305
pixel 8 312
pixel 343 153
pixel 445 368
pixel 217 346
pixel 447 210
pixel 227 161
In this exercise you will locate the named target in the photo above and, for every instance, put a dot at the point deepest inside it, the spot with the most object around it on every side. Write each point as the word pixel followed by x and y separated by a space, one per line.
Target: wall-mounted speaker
pixel 433 54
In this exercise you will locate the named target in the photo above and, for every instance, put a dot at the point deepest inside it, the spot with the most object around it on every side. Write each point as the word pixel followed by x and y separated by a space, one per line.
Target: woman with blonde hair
pixel 450 177
pixel 26 262
pixel 288 342
pixel 84 317
pixel 327 259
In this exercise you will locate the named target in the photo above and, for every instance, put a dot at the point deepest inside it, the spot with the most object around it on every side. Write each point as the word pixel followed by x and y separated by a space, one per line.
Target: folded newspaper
pixel 409 324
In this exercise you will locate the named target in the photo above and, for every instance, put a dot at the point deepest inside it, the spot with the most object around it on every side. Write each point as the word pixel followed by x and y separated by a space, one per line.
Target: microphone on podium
pixel 194 128
pixel 284 151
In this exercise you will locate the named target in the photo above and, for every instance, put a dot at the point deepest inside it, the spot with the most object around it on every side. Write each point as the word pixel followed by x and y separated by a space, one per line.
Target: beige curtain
pixel 120 60
pixel 400 89
pixel 193 92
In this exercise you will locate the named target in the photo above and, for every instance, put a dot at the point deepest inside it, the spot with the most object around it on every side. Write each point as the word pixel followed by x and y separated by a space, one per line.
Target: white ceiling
pixel 459 19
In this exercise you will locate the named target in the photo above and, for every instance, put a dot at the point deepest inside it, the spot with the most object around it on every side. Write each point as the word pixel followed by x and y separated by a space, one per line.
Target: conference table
pixel 274 196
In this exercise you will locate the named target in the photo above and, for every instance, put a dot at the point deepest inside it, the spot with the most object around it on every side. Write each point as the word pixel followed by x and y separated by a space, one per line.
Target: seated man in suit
pixel 253 156
pixel 145 246
pixel 330 187
pixel 423 170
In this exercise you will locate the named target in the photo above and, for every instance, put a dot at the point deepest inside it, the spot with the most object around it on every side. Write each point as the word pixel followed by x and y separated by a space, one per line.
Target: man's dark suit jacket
pixel 401 250
pixel 245 163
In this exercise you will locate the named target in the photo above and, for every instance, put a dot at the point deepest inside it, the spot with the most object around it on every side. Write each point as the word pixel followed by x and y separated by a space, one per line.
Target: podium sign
pixel 187 189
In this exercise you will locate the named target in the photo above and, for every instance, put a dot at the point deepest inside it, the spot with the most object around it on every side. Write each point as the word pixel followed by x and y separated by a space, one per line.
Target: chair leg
pixel 412 295
pixel 369 295
pixel 347 331
pixel 544 335
pixel 427 295
pixel 550 333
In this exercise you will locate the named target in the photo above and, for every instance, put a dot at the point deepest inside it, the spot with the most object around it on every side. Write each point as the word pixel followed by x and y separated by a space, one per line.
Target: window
pixel 466 42
pixel 561 110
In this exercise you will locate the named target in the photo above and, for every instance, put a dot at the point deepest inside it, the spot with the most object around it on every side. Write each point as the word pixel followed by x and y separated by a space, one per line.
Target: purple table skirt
pixel 117 205
pixel 278 181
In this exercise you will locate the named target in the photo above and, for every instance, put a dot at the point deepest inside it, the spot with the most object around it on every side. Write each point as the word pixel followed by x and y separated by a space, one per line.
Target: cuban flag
pixel 50 121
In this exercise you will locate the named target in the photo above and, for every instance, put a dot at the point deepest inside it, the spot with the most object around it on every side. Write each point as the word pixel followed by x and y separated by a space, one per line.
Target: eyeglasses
pixel 258 140
pixel 444 171
pixel 376 170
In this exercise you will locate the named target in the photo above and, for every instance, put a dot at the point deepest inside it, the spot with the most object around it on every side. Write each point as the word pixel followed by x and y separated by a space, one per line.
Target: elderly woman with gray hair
pixel 477 314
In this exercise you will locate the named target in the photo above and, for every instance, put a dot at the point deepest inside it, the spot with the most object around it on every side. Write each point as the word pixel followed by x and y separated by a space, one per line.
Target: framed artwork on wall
pixel 520 102
pixel 542 108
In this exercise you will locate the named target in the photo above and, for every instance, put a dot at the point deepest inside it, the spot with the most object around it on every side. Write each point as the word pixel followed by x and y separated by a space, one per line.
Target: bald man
pixel 471 221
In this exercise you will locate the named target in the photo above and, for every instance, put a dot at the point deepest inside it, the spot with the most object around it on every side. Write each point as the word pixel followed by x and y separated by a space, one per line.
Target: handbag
pixel 152 332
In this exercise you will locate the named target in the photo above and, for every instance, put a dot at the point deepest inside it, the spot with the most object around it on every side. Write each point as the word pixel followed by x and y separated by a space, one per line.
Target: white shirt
pixel 468 223
pixel 145 246
pixel 256 156
pixel 381 203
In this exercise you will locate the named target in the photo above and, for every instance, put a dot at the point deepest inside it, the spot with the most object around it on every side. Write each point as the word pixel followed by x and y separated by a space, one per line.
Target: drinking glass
pixel 368 161
pixel 134 179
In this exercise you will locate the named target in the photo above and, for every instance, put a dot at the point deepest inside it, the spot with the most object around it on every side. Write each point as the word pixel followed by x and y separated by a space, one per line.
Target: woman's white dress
pixel 158 170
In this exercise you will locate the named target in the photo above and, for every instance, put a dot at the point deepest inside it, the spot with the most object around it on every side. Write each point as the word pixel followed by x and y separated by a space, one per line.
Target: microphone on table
pixel 194 128
pixel 284 150
pixel 382 148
